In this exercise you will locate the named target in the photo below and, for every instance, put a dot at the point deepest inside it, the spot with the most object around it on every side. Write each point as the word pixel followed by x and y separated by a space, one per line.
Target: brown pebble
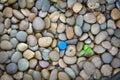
pixel 69 32
pixel 7 12
pixel 115 14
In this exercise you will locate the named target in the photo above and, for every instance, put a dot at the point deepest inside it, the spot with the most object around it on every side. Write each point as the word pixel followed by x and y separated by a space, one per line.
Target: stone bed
pixel 30 31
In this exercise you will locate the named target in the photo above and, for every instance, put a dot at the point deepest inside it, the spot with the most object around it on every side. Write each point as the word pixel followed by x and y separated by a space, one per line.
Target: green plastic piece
pixel 82 52
pixel 85 47
pixel 89 51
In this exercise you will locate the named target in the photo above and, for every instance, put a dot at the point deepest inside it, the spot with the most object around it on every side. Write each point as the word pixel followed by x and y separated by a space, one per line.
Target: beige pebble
pixel 71 51
pixel 45 73
pixel 63 18
pixel 30 3
pixel 54 16
pixel 63 76
pixel 25 12
pixel 70 60
pixel 31 17
pixel 54 55
pixel 118 23
pixel 101 18
pixel 115 14
pixel 28 54
pixel 7 12
pixel 77 7
pixel 33 63
pixel 69 32
pixel 62 64
pixel 22 46
pixel 38 55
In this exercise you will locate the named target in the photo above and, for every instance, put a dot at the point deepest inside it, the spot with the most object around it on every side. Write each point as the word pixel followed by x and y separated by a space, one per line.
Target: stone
pixel 11 68
pixel 61 4
pixel 13 33
pixel 45 5
pixel 7 23
pixel 117 32
pixel 15 57
pixel 96 61
pixel 77 7
pixel 69 12
pixel 62 18
pixel 27 77
pixel 54 16
pixel 6 45
pixel 70 3
pixel 22 3
pixel 45 74
pixel 89 18
pixel 100 37
pixel 30 3
pixel 45 54
pixel 18 75
pixel 33 63
pixel 115 63
pixel 31 39
pixel 79 20
pixel 31 17
pixel 61 63
pixel 69 32
pixel 111 24
pixel 45 41
pixel 1 28
pixel 6 77
pixel 38 55
pixel 42 14
pixel 70 72
pixel 7 12
pixel 23 64
pixel 97 74
pixel 23 25
pixel 113 50
pixel 84 75
pixel 36 75
pixel 72 41
pixel 106 44
pixel 95 29
pixel 38 24
pixel 62 37
pixel 70 20
pixel 3 57
pixel 78 31
pixel 71 51
pixel 43 64
pixel 89 68
pixel 61 28
pixel 106 70
pixel 103 26
pixel 83 37
pixel 86 27
pixel 63 76
pixel 118 23
pixel 70 60
pixel 101 18
pixel 106 58
pixel 115 41
pixel 54 55
pixel 99 49
pixel 18 14
pixel 28 54
pixel 115 14
pixel 22 47
pixel 53 75
pixel 21 36
pixel 93 4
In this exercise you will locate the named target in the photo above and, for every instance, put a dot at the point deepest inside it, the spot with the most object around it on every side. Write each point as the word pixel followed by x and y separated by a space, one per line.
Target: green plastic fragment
pixel 89 51
pixel 82 52
pixel 85 47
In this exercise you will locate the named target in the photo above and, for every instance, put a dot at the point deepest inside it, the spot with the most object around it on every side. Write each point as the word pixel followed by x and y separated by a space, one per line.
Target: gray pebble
pixel 36 75
pixel 117 33
pixel 21 36
pixel 115 63
pixel 79 20
pixel 86 27
pixel 3 57
pixel 11 68
pixel 45 54
pixel 78 31
pixel 16 56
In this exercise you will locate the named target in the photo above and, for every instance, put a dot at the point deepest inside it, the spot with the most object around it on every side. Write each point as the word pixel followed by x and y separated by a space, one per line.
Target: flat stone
pixel 97 61
pixel 95 29
pixel 5 45
pixel 101 18
pixel 63 76
pixel 23 25
pixel 31 39
pixel 78 31
pixel 106 44
pixel 90 18
pixel 115 14
pixel 99 49
pixel 77 7
pixel 3 57
pixel 22 46
pixel 69 32
pixel 28 54
pixel 71 51
pixel 93 4
pixel 53 75
pixel 70 60
pixel 54 16
pixel 79 20
pixel 21 36
pixel 18 14
pixel 54 55
pixel 43 64
pixel 22 3
pixel 16 56
pixel 45 74
pixel 7 12
pixel 106 70
pixel 11 68
pixel 115 41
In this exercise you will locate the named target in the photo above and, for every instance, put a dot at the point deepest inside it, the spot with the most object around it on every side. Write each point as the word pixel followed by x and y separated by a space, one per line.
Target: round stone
pixel 106 44
pixel 18 14
pixel 95 29
pixel 90 18
pixel 54 55
pixel 69 32
pixel 23 25
pixel 99 49
pixel 115 14
pixel 22 3
pixel 54 16
pixel 43 64
pixel 33 63
pixel 54 74
pixel 23 64
pixel 103 26
pixel 62 63
pixel 93 4
pixel 106 57
pixel 70 60
pixel 115 63
pixel 32 41
pixel 16 56
pixel 28 54
pixel 71 50
pixel 78 31
pixel 97 61
pixel 21 36
pixel 38 24
pixel 22 46
pixel 77 7
pixel 7 12
pixel 63 76
pixel 61 28
pixel 6 45
pixel 62 45
pixel 101 18
pixel 36 75
pixel 11 68
pixel 27 77
pixel 70 20
pixel 3 57
pixel 86 27
pixel 106 70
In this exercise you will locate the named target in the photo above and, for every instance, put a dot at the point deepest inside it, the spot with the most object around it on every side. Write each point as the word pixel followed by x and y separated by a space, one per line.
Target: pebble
pixel 106 44
pixel 117 32
pixel 63 18
pixel 62 64
pixel 101 18
pixel 95 29
pixel 68 13
pixel 115 14
pixel 18 75
pixel 1 28
pixel 96 61
pixel 43 64
pixel 93 4
pixel 31 17
pixel 86 27
pixel 70 72
pixel 30 3
pixel 54 16
pixel 33 63
pixel 22 3
pixel 7 12
pixel 111 24
pixel 79 20
pixel 97 74
pixel 70 3
pixel 6 77
pixel 89 68
pixel 77 7
pixel 61 28
pixel 70 60
pixel 89 18
pixel 72 41
pixel 7 23
pixel 69 32
pixel 16 56
pixel 99 49
pixel 62 37
pixel 23 64
pixel 18 14
pixel 45 74
pixel 28 54
pixel 21 36
pixel 84 75
pixel 3 57
pixel 70 21
pixel 23 25
pixel 115 41
pixel 22 47
pixel 118 23
pixel 27 77
pixel 83 37
pixel 63 76
pixel 38 55
pixel 54 55
pixel 31 39
pixel 78 31
pixel 106 57
pixel 45 41
pixel 115 63
pixel 45 54
pixel 71 51
pixel 103 26
pixel 13 33
pixel 45 5
pixel 53 75
pixel 6 45
pixel 113 50
pixel 36 75
pixel 106 70
pixel 11 68
pixel 38 24
pixel 100 37
pixel 42 14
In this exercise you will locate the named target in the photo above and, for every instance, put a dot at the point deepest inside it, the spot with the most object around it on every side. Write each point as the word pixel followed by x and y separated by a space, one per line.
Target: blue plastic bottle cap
pixel 62 45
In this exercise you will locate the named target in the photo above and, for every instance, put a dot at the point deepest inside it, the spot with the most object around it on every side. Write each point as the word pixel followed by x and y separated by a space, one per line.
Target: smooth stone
pixel 75 68
pixel 31 39
pixel 70 72
pixel 6 45
pixel 63 76
pixel 36 75
pixel 79 46
pixel 8 12
pixel 69 12
pixel 54 55
pixel 115 14
pixel 70 3
pixel 43 64
pixel 113 50
pixel 53 75
pixel 110 31
pixel 45 54
pixel 115 41
pixel 1 28
pixel 71 51
pixel 18 14
pixel 62 37
pixel 45 41
pixel 79 20
pixel 93 4
pixel 77 7
pixel 70 21
pixel 7 23
pixel 38 4
pixel 18 75
pixel 31 17
pixel 115 63
pixel 78 31
pixel 106 57
pixel 45 5
pixel 106 44
pixel 13 33
pixel 28 54
pixel 97 74
pixel 95 29
pixel 11 68
pixel 118 23
pixel 14 42
pixel 21 36
pixel 27 77
pixel 62 18
pixel 45 74
pixel 89 18
pixel 54 16
pixel 111 24
pixel 83 37
pixel 38 24
pixel 84 75
pixel 23 25
pixel 23 64
pixel 70 60
pixel 110 1
pixel 3 57
pixel 103 26
pixel 99 49
pixel 61 28
pixel 79 78
pixel 106 70
pixel 1 17
pixel 15 57
pixel 22 47
pixel 6 77
pixel 22 3
pixel 72 41
pixel 42 14
pixel 117 32
pixel 96 61
pixel 61 63
pixel 5 37
pixel 89 68
pixel 101 18
pixel 71 34
pixel 100 37
pixel 11 1
pixel 33 63
pixel 30 3
pixel 86 27
pixel 38 55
